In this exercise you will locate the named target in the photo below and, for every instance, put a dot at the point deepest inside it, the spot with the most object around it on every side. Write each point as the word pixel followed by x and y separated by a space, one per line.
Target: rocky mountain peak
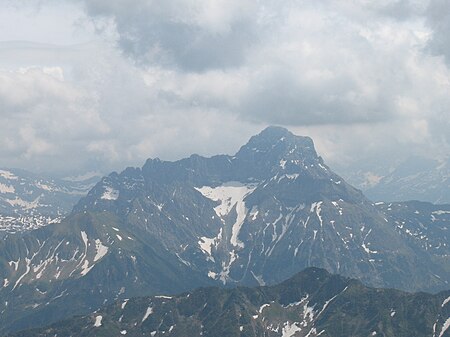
pixel 280 142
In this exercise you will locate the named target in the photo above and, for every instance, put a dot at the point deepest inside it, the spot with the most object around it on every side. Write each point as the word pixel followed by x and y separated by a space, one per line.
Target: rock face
pixel 311 303
pixel 254 218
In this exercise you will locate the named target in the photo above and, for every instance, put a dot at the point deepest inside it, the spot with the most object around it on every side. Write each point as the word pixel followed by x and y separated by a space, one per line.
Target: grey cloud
pixel 438 18
pixel 175 34
pixel 189 48
pixel 287 98
pixel 400 9
pixel 268 44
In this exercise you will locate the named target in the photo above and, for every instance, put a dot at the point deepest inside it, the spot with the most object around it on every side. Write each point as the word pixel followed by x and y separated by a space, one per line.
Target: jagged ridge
pixel 311 303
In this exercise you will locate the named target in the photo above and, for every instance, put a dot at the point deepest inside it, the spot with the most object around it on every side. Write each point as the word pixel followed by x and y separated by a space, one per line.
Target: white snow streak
pixel 316 206
pixel 441 212
pixel 445 327
pixel 147 313
pixel 446 301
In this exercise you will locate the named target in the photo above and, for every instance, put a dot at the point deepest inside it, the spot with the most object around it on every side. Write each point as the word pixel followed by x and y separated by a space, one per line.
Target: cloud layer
pixel 365 79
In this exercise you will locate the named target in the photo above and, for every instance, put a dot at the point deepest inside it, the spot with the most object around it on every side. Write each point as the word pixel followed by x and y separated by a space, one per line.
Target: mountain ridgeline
pixel 417 178
pixel 251 219
pixel 311 303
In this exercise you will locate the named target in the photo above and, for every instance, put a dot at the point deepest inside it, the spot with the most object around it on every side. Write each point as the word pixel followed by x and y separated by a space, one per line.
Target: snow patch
pixel 441 212
pixel 8 175
pixel 85 267
pixel 45 187
pixel 101 250
pixel 26 205
pixel 365 246
pixel 110 194
pixel 6 188
pixel 230 195
pixel 227 194
pixel 15 263
pixel 28 268
pixel 226 267
pixel 206 244
pixel 98 321
pixel 289 329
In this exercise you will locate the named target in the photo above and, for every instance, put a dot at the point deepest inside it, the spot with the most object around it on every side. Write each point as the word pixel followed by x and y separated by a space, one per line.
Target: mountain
pixel 311 303
pixel 417 178
pixel 260 216
pixel 255 218
pixel 29 201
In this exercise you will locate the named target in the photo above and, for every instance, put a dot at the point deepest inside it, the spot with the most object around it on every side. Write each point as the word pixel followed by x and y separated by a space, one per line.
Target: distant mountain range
pixel 29 201
pixel 417 178
pixel 255 218
pixel 311 303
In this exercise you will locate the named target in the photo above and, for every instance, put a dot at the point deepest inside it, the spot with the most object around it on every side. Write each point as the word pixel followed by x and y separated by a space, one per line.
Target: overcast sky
pixel 104 84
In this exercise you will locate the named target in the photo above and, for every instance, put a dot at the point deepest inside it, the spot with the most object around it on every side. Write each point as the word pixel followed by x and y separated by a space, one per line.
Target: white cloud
pixel 99 111
pixel 202 76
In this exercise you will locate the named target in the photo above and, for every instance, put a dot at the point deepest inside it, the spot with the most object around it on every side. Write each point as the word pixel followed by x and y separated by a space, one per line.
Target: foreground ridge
pixel 311 303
